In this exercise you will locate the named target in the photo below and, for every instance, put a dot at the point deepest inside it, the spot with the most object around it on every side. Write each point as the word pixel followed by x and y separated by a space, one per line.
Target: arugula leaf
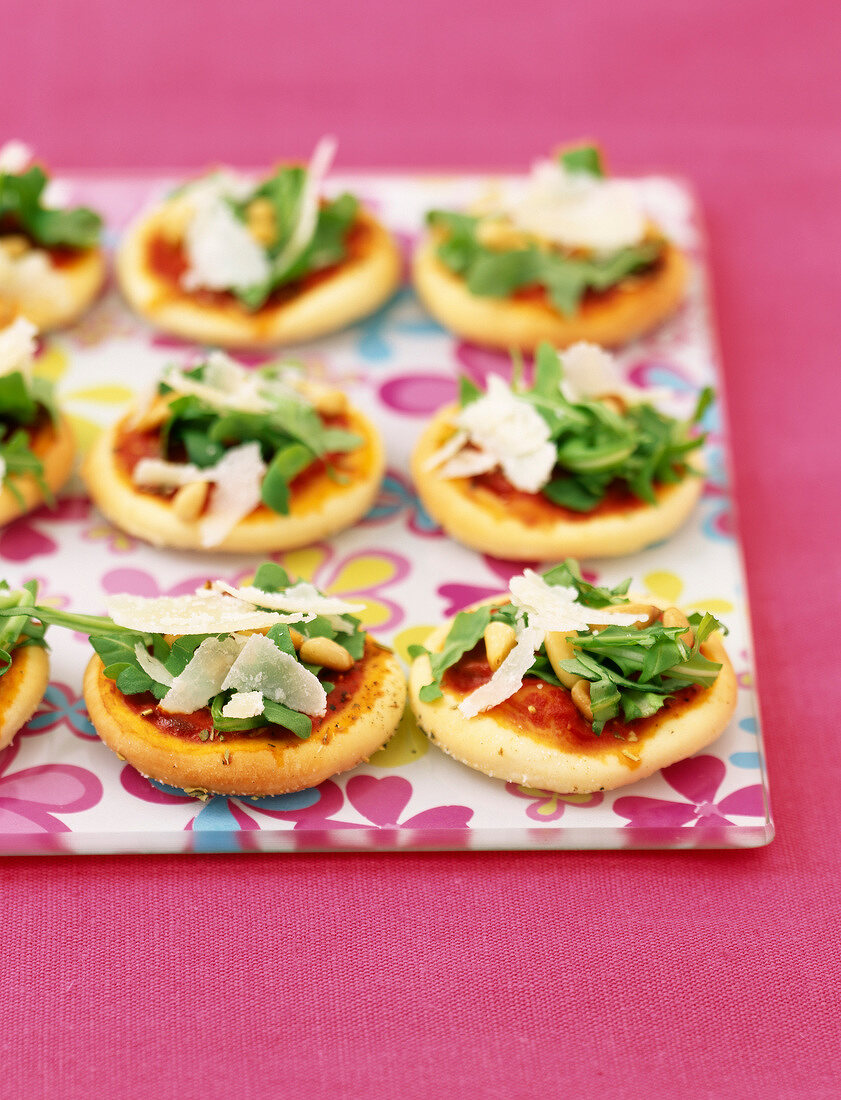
pixel 182 652
pixel 638 669
pixel 583 158
pixel 22 209
pixel 231 725
pixel 291 434
pixel 18 630
pixel 468 391
pixel 271 577
pixel 20 460
pixel 132 680
pixel 568 574
pixel 497 274
pixel 16 401
pixel 280 715
pixel 279 634
pixel 564 275
pixel 284 468
pixel 327 246
pixel 468 627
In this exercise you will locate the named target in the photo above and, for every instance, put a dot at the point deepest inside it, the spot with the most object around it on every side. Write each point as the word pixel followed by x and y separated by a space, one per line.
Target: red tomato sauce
pixel 546 713
pixel 188 727
pixel 166 258
pixel 536 509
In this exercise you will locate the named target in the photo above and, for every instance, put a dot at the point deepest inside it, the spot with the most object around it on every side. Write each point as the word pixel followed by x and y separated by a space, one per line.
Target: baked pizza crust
pixel 352 290
pixel 476 517
pixel 633 308
pixel 492 744
pixel 320 508
pixel 22 688
pixel 256 767
pixel 82 276
pixel 56 448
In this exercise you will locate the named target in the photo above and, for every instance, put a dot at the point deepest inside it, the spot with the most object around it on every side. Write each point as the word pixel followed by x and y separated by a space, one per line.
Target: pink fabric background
pixel 533 974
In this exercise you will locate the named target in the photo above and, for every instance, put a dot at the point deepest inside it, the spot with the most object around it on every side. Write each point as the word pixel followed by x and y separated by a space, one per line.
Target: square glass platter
pixel 62 790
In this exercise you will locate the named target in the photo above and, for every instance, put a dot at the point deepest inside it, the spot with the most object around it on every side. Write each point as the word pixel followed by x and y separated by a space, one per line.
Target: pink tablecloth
pixel 693 974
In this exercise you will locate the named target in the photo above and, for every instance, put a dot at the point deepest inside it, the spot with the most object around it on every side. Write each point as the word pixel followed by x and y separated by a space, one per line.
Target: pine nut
pixel 672 616
pixel 559 649
pixel 260 219
pixel 325 399
pixel 326 652
pixel 500 639
pixel 581 697
pixel 296 636
pixel 331 402
pixel 501 235
pixel 189 501
pixel 615 402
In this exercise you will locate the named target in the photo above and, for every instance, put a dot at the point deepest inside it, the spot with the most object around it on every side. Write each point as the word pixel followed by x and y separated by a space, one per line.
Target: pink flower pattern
pixel 697 780
pixel 31 799
pixel 23 539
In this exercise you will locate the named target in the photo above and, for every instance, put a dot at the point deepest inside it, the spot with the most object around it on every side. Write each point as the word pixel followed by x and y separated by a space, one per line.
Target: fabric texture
pixel 498 974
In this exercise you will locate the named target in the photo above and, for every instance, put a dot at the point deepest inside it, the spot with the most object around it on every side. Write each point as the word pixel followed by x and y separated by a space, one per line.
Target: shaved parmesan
pixel 152 666
pixel 2 467
pixel 302 234
pixel 226 385
pixel 243 704
pixel 447 451
pixel 262 667
pixel 579 210
pixel 15 157
pixel 505 428
pixel 556 606
pixel 590 371
pixel 302 597
pixel 202 677
pixel 508 678
pixel 204 613
pixel 238 478
pixel 157 473
pixel 17 346
pixel 469 463
pixel 221 253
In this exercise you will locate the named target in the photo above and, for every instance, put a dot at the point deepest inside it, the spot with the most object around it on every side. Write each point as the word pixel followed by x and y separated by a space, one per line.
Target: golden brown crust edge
pixel 22 688
pixel 252 769
pixel 82 278
pixel 57 454
pixel 151 518
pixel 510 322
pixel 467 519
pixel 493 747
pixel 357 288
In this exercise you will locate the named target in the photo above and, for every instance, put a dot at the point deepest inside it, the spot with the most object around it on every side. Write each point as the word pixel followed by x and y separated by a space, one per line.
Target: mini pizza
pixel 259 690
pixel 572 257
pixel 580 463
pixel 51 264
pixel 224 261
pixel 227 458
pixel 36 442
pixel 24 666
pixel 569 687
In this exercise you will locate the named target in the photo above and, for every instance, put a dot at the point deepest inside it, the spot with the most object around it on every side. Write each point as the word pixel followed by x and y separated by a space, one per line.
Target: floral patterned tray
pixel 61 790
